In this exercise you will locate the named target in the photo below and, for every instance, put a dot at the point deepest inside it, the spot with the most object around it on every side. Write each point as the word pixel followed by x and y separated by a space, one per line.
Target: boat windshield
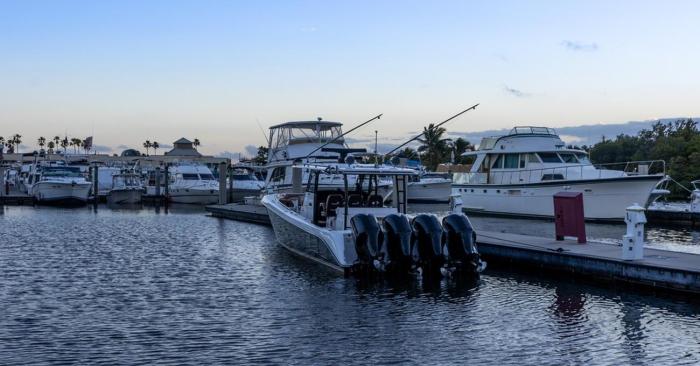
pixel 206 176
pixel 62 172
pixel 187 176
pixel 243 177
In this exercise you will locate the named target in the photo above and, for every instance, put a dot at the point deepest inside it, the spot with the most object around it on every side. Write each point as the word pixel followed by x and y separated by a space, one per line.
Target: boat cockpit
pixel 361 194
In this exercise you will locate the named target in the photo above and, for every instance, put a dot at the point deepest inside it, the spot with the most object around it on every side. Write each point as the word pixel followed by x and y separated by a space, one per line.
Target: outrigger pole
pixel 345 133
pixel 438 125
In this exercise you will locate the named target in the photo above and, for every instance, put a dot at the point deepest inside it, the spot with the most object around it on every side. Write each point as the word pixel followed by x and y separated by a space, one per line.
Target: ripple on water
pixel 78 286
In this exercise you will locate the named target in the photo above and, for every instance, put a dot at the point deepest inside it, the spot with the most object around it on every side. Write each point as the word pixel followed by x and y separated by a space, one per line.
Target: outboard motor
pixel 427 240
pixel 397 244
pixel 368 241
pixel 460 244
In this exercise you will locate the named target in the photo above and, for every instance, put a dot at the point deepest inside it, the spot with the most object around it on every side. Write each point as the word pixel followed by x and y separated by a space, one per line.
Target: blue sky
pixel 159 70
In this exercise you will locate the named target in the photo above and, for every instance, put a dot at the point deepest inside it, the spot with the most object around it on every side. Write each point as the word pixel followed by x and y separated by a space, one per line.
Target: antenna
pixel 437 125
pixel 267 141
pixel 339 136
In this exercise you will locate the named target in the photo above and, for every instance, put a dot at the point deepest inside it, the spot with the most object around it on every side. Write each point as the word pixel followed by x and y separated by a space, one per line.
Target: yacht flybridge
pixel 316 142
pixel 519 173
pixel 353 231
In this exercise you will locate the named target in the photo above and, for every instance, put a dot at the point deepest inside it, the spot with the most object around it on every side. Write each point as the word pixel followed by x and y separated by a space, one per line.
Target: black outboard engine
pixel 397 244
pixel 368 241
pixel 460 244
pixel 427 239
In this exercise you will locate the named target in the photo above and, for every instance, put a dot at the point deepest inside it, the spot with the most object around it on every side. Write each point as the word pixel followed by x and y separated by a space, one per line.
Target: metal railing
pixel 564 173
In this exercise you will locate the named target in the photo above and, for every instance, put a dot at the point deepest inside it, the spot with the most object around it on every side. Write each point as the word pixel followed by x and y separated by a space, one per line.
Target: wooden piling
pixel 230 184
pixel 222 184
pixel 167 182
pixel 95 184
pixel 158 182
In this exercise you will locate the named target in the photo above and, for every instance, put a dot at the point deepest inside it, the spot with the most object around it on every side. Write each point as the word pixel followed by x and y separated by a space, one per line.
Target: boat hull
pixel 603 199
pixel 429 192
pixel 304 239
pixel 194 196
pixel 124 196
pixel 61 193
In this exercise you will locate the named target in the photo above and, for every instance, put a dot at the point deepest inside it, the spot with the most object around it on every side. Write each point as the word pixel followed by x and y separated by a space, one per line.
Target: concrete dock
pixel 659 269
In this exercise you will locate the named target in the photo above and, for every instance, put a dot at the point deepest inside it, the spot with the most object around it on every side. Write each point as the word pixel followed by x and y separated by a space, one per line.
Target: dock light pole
pixel 376 159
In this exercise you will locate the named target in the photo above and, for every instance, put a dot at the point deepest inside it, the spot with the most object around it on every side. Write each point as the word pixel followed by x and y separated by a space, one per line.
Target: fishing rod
pixel 436 126
pixel 345 133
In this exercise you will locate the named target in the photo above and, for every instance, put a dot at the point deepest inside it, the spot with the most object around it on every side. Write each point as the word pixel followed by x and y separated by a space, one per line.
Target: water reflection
pixel 145 287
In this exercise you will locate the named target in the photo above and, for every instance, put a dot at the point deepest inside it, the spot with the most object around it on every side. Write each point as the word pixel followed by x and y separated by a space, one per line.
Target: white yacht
pixel 57 183
pixel 303 142
pixel 518 174
pixel 429 187
pixel 352 231
pixel 126 188
pixel 245 183
pixel 193 183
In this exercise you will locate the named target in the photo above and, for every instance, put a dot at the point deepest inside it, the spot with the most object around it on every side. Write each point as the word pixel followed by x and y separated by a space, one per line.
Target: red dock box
pixel 568 216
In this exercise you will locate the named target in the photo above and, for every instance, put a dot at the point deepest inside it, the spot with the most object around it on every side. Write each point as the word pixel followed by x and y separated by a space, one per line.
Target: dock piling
pixel 95 184
pixel 222 184
pixel 158 182
pixel 167 182
pixel 230 184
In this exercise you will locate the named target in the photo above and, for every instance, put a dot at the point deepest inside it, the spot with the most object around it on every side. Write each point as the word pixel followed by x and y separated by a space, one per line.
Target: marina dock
pixel 660 269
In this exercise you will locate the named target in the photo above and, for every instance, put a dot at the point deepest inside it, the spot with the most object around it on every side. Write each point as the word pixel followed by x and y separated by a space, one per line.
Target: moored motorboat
pixel 430 187
pixel 126 189
pixel 193 184
pixel 518 175
pixel 58 183
pixel 353 231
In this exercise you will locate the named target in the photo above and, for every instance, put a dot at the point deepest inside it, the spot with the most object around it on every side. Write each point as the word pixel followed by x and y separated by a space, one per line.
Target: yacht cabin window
pixel 510 161
pixel 278 175
pixel 549 157
pixel 188 176
pixel 568 157
pixel 583 158
pixel 207 176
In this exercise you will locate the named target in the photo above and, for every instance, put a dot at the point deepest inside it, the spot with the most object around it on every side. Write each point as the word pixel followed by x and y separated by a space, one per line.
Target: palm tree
pixel 2 141
pixel 41 141
pixel 155 147
pixel 147 145
pixel 57 141
pixel 51 145
pixel 408 153
pixel 86 146
pixel 16 140
pixel 195 143
pixel 64 144
pixel 433 146
pixel 460 146
pixel 76 142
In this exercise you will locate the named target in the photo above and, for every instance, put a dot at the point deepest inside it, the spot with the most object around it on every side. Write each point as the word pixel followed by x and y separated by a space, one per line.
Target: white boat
pixel 430 188
pixel 518 174
pixel 245 183
pixel 309 142
pixel 105 175
pixel 353 232
pixel 57 183
pixel 692 206
pixel 126 188
pixel 193 183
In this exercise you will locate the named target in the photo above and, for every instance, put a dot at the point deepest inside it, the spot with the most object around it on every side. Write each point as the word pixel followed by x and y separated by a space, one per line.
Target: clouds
pixel 516 92
pixel 579 46
pixel 101 148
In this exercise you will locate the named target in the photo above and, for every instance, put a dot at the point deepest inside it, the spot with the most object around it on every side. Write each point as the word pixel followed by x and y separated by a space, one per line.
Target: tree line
pixel 13 143
pixel 676 142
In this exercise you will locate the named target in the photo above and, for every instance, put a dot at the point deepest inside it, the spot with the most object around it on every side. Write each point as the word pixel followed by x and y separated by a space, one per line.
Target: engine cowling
pixel 427 240
pixel 460 242
pixel 397 241
pixel 367 237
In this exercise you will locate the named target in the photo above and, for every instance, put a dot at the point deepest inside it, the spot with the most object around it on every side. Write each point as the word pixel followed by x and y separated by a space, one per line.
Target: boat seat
pixel 355 200
pixel 333 201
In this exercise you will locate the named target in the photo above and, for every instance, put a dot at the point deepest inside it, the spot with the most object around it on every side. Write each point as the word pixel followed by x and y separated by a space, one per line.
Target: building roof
pixel 182 140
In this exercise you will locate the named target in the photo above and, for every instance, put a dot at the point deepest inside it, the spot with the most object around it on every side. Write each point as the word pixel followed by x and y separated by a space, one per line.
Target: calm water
pixel 78 286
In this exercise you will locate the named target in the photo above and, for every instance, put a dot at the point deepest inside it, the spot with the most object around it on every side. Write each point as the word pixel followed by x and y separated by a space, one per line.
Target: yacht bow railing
pixel 563 173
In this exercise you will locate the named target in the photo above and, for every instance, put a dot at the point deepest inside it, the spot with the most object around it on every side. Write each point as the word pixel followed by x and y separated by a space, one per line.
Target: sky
pixel 220 71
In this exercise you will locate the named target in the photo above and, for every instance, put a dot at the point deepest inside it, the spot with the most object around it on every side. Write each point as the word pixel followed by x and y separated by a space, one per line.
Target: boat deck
pixel 256 214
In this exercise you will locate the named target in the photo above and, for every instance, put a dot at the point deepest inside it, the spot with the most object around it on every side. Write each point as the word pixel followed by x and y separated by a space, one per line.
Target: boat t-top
pixel 518 174
pixel 316 142
pixel 353 231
